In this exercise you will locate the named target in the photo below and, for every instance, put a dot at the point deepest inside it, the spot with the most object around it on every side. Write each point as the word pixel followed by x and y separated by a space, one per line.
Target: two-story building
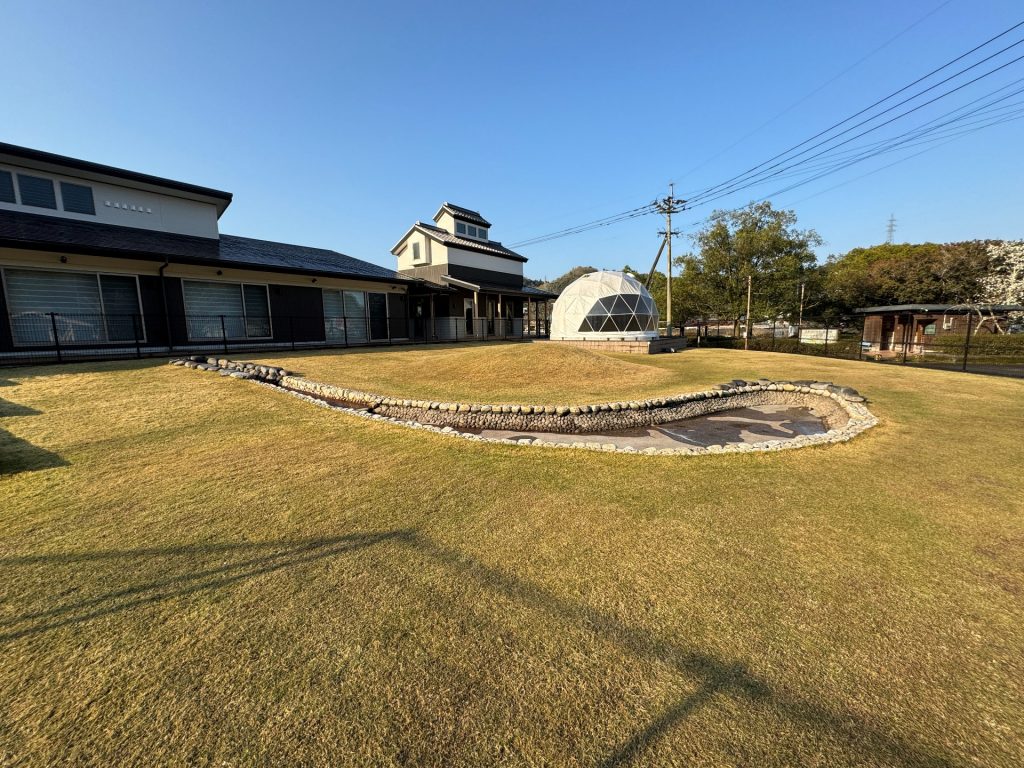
pixel 101 261
pixel 479 291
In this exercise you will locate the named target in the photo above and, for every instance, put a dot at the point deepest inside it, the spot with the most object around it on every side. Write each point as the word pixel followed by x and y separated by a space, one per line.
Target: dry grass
pixel 198 571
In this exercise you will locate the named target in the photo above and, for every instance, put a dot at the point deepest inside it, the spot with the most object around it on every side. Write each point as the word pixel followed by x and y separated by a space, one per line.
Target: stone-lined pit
pixel 841 410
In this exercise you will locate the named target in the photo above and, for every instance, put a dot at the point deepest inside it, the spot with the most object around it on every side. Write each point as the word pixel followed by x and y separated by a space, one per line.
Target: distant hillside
pixel 559 283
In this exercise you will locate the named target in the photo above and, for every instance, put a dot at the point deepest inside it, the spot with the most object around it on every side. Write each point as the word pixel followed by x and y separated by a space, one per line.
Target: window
pixel 36 191
pixel 6 187
pixel 226 310
pixel 471 230
pixel 86 307
pixel 415 251
pixel 77 198
pixel 929 329
pixel 345 316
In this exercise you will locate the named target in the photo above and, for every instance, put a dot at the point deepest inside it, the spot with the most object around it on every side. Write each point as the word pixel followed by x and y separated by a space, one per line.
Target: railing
pixel 62 337
pixel 988 353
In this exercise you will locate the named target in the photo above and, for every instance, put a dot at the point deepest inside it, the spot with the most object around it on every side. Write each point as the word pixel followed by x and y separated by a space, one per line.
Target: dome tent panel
pixel 605 305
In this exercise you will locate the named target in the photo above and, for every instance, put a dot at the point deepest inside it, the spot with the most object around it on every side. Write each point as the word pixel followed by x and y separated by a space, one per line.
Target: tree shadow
pixel 715 676
pixel 281 555
pixel 17 455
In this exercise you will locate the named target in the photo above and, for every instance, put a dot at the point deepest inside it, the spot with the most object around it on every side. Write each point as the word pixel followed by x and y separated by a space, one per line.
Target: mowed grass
pixel 195 570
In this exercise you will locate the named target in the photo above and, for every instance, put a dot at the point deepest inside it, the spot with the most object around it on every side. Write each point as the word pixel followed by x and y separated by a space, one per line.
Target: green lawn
pixel 195 570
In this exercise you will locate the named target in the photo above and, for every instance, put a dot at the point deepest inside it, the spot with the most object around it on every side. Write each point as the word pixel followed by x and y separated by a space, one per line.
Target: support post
pixel 56 336
pixel 967 342
pixel 906 337
pixel 746 332
pixel 291 330
pixel 826 338
pixel 135 328
pixel 224 334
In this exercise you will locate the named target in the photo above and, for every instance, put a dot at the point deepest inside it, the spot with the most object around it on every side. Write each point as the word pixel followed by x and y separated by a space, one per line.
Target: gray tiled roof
pixel 492 247
pixel 465 214
pixel 251 252
pixel 52 233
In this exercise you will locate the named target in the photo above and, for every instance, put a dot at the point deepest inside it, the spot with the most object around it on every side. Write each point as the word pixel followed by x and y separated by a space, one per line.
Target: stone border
pixel 842 409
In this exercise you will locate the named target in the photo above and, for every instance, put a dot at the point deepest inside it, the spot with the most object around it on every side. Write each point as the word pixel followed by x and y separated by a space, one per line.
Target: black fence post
pixel 138 346
pixel 224 334
pixel 967 341
pixel 56 336
pixel 826 338
pixel 291 330
pixel 344 326
pixel 906 337
pixel 863 331
pixel 774 321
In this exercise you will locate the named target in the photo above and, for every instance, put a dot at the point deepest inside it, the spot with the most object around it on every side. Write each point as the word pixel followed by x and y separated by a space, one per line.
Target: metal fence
pixel 64 337
pixel 987 353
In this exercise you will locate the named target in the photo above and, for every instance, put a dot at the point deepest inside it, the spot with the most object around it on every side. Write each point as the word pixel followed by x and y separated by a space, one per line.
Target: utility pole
pixel 746 332
pixel 800 317
pixel 668 206
pixel 890 229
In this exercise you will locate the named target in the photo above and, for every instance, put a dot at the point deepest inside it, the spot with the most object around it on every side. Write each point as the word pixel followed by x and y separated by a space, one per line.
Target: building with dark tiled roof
pixel 480 288
pixel 97 260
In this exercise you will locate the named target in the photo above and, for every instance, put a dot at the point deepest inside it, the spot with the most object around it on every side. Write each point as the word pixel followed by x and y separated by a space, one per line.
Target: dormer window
pixel 470 230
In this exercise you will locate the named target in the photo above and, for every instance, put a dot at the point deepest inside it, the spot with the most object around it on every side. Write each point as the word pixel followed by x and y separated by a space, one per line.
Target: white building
pixel 478 282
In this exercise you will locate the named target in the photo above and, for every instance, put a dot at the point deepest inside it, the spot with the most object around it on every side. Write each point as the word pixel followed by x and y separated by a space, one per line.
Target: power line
pixel 832 160
pixel 880 102
pixel 717 192
pixel 820 88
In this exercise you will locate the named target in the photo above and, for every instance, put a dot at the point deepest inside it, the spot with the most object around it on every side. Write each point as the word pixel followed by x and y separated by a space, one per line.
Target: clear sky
pixel 340 124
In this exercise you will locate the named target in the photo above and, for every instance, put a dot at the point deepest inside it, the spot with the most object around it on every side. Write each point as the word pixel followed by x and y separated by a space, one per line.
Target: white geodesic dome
pixel 605 305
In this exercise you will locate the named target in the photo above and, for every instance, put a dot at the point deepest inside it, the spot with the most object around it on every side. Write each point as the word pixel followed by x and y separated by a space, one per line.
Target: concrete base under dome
pixel 641 347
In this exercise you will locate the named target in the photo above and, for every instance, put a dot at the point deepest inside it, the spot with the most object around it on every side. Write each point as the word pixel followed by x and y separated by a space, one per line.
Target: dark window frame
pixel 75 189
pixel 103 313
pixel 27 177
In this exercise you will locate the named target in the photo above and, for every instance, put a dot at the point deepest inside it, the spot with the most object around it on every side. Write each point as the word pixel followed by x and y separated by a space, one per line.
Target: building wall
pixel 125 206
pixel 431 252
pixel 296 303
pixel 485 261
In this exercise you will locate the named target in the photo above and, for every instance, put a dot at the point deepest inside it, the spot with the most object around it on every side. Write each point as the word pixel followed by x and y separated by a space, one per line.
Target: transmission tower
pixel 890 228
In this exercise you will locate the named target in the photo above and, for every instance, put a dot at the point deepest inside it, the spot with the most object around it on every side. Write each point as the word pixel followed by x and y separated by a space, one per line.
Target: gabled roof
pixel 473 217
pixel 492 247
pixel 62 162
pixel 54 234
pixel 947 308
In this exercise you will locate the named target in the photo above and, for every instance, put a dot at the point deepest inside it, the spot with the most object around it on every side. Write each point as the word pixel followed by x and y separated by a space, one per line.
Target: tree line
pixel 769 245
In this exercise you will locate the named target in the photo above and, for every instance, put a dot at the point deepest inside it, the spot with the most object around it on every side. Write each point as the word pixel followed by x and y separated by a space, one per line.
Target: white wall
pixel 484 261
pixel 431 252
pixel 152 210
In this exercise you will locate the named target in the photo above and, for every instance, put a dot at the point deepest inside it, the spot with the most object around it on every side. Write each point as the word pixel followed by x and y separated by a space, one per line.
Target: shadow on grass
pixel 284 555
pixel 7 408
pixel 715 676
pixel 17 455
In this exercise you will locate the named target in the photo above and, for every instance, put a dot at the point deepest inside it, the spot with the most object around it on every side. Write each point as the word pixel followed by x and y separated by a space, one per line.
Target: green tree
pixel 906 273
pixel 756 241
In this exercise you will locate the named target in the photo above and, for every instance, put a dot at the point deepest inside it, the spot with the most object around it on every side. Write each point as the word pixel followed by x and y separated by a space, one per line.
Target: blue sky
pixel 339 124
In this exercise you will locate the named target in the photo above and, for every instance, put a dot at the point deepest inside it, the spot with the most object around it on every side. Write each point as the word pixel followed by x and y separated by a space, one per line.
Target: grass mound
pixel 497 373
